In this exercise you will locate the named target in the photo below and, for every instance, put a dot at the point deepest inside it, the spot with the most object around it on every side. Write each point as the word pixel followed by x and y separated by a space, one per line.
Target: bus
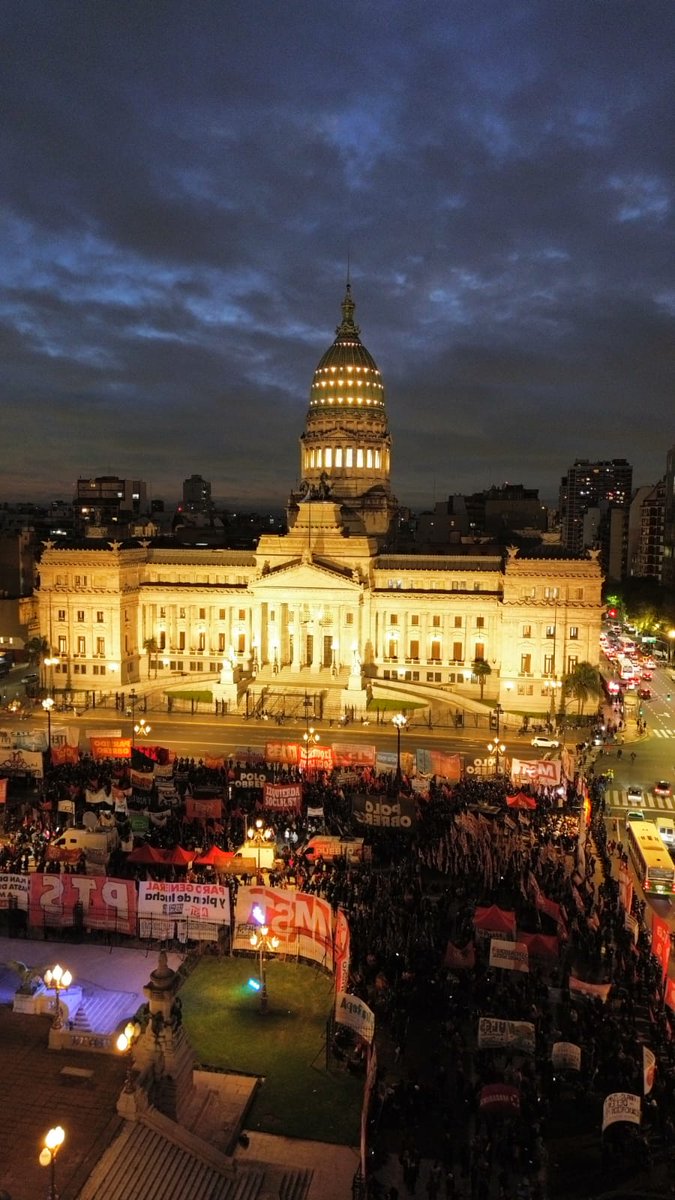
pixel 653 865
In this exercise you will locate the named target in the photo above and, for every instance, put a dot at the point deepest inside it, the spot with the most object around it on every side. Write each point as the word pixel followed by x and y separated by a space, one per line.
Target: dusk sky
pixel 181 186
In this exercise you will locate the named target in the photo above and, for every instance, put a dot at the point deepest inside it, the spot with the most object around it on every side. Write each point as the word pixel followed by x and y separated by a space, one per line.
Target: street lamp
pixel 262 941
pixel 496 747
pixel 125 1045
pixel 400 721
pixel 310 737
pixel 54 1140
pixel 334 647
pixel 57 980
pixel 48 704
pixel 259 835
pixel 671 647
pixel 141 729
pixel 552 686
pixel 51 662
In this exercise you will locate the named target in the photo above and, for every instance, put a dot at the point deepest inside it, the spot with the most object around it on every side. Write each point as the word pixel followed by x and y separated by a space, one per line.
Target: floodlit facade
pixel 325 607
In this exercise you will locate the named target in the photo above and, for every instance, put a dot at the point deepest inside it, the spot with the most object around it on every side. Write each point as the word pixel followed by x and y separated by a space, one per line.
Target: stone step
pixel 102 1011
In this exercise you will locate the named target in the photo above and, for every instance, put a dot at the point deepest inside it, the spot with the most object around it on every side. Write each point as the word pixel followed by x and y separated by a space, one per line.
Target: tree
pixel 583 683
pixel 38 649
pixel 481 670
pixel 151 646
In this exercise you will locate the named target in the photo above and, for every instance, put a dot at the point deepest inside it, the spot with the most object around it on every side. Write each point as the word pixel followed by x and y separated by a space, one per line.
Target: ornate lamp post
pixel 54 1140
pixel 400 721
pixel 125 1045
pixel 310 737
pixel 48 704
pixel 262 941
pixel 57 980
pixel 141 729
pixel 259 835
pixel 496 747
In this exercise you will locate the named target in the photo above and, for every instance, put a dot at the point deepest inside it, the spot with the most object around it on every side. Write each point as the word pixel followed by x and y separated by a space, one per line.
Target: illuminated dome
pixel 347 376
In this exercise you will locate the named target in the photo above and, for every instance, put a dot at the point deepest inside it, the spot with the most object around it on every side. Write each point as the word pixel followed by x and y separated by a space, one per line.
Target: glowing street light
pixel 141 729
pixel 262 941
pixel 310 737
pixel 48 704
pixel 125 1045
pixel 496 747
pixel 57 980
pixel 259 835
pixel 54 1140
pixel 400 721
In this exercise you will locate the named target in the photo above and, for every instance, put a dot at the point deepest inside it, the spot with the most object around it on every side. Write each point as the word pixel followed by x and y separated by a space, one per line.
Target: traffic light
pixel 611 612
pixel 493 720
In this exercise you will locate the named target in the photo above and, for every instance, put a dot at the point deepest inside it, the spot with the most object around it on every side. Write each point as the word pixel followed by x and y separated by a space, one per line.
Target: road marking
pixel 619 798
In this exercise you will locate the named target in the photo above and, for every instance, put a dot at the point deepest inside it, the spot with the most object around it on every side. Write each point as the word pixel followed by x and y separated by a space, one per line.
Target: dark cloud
pixel 182 185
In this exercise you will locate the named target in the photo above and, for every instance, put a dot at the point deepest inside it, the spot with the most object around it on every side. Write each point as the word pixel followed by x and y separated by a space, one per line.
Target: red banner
pixel 104 903
pixel 3 791
pixel 110 747
pixel 342 952
pixel 352 754
pixel 670 994
pixel 303 923
pixel 499 1097
pixel 661 942
pixel 64 754
pixel 285 797
pixel 282 752
pixel 203 810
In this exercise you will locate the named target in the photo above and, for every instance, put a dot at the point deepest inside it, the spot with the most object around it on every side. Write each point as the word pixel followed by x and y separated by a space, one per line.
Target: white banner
pixel 351 1011
pixel 15 762
pixel 185 901
pixel 566 1056
pixel 14 890
pixel 620 1106
pixel 511 956
pixel 516 1035
pixel 544 773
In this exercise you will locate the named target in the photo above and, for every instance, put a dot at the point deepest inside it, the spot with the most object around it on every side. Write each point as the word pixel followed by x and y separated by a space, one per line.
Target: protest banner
pixel 185 901
pixel 110 747
pixel 21 762
pixel 353 754
pixel 495 1033
pixel 209 809
pixel 439 763
pixel 620 1106
pixel 354 1013
pixel 99 902
pixel 14 891
pixel 283 797
pixel 648 1069
pixel 64 755
pixel 3 790
pixel 384 814
pixel 566 1056
pixel 499 1098
pixel 341 951
pixel 661 942
pixel 460 958
pixel 669 998
pixel 543 773
pixel 601 990
pixel 301 922
pixel 510 956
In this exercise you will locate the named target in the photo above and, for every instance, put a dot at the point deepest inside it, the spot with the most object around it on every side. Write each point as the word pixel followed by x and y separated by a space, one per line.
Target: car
pixel 635 794
pixel 645 693
pixel 634 815
pixel 662 788
pixel 545 743
pixel 647 676
pixel 31 677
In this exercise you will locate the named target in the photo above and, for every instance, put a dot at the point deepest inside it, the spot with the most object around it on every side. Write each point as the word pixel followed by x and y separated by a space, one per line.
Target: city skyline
pixel 182 194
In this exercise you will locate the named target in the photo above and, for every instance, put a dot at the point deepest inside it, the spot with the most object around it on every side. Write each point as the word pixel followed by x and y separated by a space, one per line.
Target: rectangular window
pixel 572 663
pixel 480 622
pixel 80 615
pixel 393 619
pixel 414 651
pixel 458 622
pixel 414 620
pixel 526 664
pixel 338 457
pixel 161 641
pixel 527 631
pixel 457 654
pixel 359 458
pixel 62 644
pixel 480 652
pixel 550 631
pixel 349 457
pixel 551 593
pixel 378 460
pixel 369 458
pixel 242 614
pixel 181 614
pixel 328 457
pixel 241 643
pixel 61 614
pixel 221 643
pixel 319 457
pixel 548 664
pixel 349 619
pixel 202 614
pixel 100 617
pixel 81 645
pixel 221 614
pixel 162 614
pixel 436 622
pixel 574 632
pixel 181 640
pixel 201 643
pixel 100 647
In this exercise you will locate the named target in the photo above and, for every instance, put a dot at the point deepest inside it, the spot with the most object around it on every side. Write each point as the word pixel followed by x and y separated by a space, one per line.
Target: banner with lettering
pixel 14 891
pixel 353 754
pixel 437 762
pixel 379 813
pixel 566 1056
pixel 110 747
pixel 511 956
pixel 21 762
pixel 543 773
pixel 303 923
pixel 252 777
pixel 621 1106
pixel 283 797
pixel 96 900
pixel 499 1098
pixel 185 901
pixel 648 1069
pixel 495 1033
pixel 661 942
pixel 287 753
pixel 354 1013
pixel 64 755
pixel 208 809
pixel 341 951
pixel 601 990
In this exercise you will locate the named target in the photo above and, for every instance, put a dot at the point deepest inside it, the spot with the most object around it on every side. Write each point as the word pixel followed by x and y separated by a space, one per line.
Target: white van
pixel 97 844
pixel 265 856
pixel 666 828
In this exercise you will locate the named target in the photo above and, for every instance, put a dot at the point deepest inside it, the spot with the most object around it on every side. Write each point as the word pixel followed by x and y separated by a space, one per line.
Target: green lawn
pixel 286 1046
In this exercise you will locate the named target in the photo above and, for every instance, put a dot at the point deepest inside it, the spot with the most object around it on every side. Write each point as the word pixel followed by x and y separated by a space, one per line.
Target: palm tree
pixel 481 669
pixel 582 683
pixel 38 649
pixel 151 646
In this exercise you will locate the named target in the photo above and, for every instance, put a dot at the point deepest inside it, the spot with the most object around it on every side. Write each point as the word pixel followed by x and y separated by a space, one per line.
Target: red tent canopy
pixel 521 800
pixel 146 854
pixel 539 945
pixel 214 857
pixel 178 857
pixel 495 920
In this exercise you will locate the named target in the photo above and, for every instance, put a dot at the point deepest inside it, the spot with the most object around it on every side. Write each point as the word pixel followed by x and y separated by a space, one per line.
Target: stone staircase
pixel 286 690
pixel 102 1012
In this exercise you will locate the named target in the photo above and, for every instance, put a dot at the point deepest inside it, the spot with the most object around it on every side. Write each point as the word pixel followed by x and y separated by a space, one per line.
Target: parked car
pixel 662 788
pixel 545 743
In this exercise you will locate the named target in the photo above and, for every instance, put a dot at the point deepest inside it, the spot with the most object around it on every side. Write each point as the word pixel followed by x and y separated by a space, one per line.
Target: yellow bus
pixel 653 865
